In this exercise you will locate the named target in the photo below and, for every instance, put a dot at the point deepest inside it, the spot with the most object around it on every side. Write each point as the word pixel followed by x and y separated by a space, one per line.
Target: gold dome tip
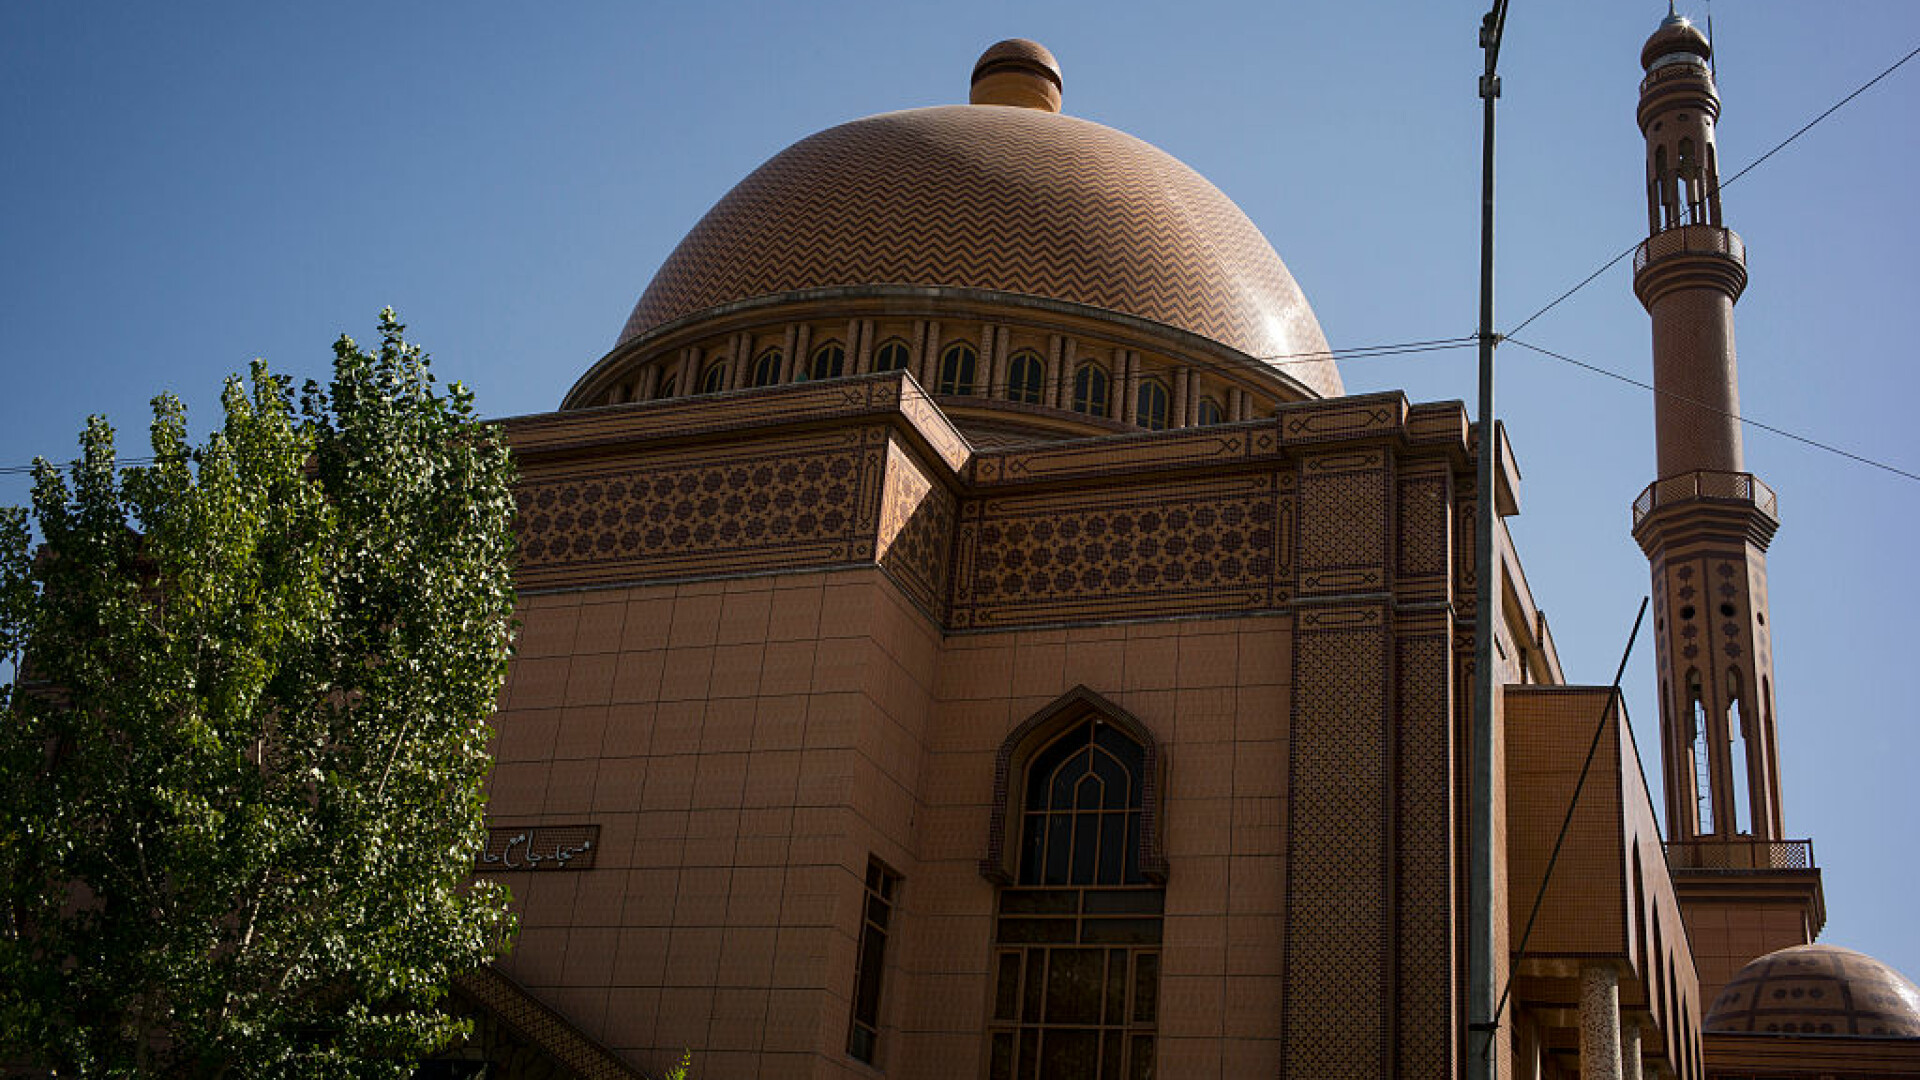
pixel 1017 72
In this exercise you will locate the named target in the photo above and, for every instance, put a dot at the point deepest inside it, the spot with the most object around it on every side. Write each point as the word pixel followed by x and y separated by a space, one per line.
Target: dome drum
pixel 1026 355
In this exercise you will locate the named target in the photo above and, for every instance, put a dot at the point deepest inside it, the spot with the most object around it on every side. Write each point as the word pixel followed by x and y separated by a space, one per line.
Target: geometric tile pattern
pixel 1013 200
pixel 1344 523
pixel 1128 551
pixel 916 531
pixel 1423 857
pixel 1337 940
pixel 800 501
pixel 535 1041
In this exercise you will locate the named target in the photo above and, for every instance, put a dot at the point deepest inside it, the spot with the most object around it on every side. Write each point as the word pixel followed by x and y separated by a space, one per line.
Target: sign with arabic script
pixel 545 847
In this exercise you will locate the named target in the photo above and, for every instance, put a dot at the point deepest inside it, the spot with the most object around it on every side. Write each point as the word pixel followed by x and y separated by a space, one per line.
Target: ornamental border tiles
pixel 1326 499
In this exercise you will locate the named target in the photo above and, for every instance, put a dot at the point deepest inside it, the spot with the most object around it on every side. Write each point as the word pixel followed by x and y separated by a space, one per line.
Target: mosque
pixel 968 631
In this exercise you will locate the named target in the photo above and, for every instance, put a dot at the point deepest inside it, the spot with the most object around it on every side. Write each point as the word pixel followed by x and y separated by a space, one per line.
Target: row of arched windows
pixel 956 375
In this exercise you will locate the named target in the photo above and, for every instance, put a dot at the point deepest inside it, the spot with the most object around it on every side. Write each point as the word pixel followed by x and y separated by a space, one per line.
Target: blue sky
pixel 187 187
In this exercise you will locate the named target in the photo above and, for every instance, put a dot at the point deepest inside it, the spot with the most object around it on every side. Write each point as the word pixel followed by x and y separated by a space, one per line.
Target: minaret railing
pixel 1739 853
pixel 1737 487
pixel 1690 240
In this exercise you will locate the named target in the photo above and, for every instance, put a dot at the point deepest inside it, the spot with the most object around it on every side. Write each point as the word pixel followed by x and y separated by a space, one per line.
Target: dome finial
pixel 1017 72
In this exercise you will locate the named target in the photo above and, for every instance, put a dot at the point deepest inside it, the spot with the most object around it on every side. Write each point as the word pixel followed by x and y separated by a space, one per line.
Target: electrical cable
pixel 1779 146
pixel 1782 432
pixel 1573 803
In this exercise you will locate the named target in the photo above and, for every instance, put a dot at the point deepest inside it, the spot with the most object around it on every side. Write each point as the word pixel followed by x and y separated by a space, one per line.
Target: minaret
pixel 1705 523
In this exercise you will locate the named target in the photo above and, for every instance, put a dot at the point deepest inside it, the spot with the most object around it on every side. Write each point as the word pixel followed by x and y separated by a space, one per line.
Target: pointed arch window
pixel 1090 389
pixel 665 390
pixel 714 378
pixel 1210 412
pixel 1024 374
pixel 1076 965
pixel 829 362
pixel 766 368
pixel 956 370
pixel 1153 402
pixel 891 356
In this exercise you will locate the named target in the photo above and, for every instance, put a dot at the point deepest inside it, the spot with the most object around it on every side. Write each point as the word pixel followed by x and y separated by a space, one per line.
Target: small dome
pixel 1677 36
pixel 1017 72
pixel 1818 990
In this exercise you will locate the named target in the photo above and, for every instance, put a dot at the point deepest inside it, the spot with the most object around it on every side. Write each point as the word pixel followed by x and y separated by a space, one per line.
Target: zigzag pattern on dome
pixel 1007 199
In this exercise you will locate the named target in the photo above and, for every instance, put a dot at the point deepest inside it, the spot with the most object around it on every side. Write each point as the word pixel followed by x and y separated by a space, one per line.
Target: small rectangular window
pixel 864 1036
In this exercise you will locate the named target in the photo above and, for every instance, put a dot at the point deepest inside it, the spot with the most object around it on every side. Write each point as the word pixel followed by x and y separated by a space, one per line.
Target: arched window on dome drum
pixel 1153 405
pixel 665 390
pixel 956 370
pixel 766 369
pixel 1210 412
pixel 1090 389
pixel 1077 960
pixel 714 378
pixel 829 362
pixel 891 356
pixel 1024 374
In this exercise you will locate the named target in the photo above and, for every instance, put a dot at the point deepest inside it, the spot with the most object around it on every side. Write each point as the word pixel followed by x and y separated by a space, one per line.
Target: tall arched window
pixel 714 379
pixel 1024 374
pixel 766 369
pixel 1211 412
pixel 1076 972
pixel 1153 405
pixel 891 356
pixel 829 362
pixel 956 370
pixel 1090 389
pixel 666 388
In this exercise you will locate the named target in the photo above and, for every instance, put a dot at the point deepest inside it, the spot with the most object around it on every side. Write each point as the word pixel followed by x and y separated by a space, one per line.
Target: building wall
pixel 857 613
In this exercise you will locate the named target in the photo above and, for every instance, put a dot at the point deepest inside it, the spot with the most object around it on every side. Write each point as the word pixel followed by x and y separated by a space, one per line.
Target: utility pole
pixel 1482 960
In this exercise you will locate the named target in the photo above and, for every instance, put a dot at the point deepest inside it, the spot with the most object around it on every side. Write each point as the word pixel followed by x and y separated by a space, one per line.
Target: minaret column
pixel 1744 887
pixel 1704 523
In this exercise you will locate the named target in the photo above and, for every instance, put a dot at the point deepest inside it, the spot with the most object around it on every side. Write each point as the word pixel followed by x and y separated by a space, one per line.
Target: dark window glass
pixel 1024 373
pixel 956 370
pixel 891 357
pixel 1152 412
pixel 1090 390
pixel 829 362
pixel 863 1040
pixel 1076 977
pixel 714 379
pixel 766 369
pixel 1210 412
pixel 666 389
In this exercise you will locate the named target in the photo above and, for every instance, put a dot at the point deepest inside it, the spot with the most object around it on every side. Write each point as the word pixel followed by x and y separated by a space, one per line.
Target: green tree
pixel 242 754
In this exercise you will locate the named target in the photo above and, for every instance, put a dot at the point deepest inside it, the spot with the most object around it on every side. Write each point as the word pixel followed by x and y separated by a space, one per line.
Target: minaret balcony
pixel 1740 488
pixel 1690 240
pixel 1739 853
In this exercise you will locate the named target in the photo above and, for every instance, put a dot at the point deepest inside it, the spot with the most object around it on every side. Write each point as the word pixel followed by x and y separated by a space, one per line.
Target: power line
pixel 1724 184
pixel 1367 352
pixel 1573 803
pixel 1782 432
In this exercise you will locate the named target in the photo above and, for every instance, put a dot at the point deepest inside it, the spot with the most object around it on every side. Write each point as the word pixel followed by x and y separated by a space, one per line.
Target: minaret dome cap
pixel 1017 72
pixel 1676 36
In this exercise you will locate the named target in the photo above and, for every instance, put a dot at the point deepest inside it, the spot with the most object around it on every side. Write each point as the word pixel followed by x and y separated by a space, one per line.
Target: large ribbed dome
pixel 1017 200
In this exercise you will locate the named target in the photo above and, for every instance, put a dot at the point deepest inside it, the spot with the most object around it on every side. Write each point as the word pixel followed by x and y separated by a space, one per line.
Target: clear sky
pixel 186 187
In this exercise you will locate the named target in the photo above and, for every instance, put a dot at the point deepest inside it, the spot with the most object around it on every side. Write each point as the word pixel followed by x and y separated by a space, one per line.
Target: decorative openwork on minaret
pixel 1705 523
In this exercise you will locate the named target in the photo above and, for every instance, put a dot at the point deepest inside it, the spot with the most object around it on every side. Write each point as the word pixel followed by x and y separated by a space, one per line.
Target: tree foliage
pixel 242 756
